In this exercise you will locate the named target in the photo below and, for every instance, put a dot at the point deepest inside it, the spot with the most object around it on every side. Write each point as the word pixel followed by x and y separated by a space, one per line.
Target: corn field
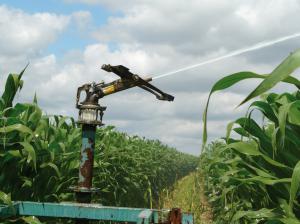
pixel 253 175
pixel 39 158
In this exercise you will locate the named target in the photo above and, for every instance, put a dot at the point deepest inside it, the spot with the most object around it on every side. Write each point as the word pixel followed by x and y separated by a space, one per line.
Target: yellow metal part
pixel 109 89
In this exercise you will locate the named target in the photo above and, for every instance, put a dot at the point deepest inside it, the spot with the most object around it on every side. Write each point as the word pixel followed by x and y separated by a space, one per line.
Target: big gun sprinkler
pixel 91 113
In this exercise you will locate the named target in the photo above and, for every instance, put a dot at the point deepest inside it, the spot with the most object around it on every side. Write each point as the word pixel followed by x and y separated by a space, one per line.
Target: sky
pixel 67 41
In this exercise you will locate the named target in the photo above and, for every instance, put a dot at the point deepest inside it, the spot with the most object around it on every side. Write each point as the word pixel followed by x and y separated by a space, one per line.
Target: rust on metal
pixel 87 156
pixel 84 188
pixel 86 165
pixel 175 216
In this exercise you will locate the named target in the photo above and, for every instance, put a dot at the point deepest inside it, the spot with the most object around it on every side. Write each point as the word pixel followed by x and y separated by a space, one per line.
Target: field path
pixel 188 194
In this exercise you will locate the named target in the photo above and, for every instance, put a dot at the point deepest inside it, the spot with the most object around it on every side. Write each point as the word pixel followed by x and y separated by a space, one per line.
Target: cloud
pixel 24 37
pixel 23 33
pixel 200 26
pixel 83 19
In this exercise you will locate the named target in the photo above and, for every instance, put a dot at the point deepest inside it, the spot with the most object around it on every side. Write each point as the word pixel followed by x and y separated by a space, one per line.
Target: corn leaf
pixel 31 220
pixel 16 127
pixel 283 71
pixel 31 153
pixel 294 185
pixel 229 81
pixel 13 84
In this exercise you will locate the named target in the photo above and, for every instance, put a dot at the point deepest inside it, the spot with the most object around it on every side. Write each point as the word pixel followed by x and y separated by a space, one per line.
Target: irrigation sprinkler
pixel 91 113
pixel 90 116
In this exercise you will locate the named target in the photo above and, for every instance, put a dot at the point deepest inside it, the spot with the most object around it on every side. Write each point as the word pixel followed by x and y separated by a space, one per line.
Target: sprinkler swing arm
pixel 90 112
pixel 90 116
pixel 127 80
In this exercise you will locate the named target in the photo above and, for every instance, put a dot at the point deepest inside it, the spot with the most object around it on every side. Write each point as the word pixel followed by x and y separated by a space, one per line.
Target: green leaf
pixel 282 117
pixel 274 141
pixel 31 153
pixel 13 84
pixel 35 101
pixel 53 166
pixel 16 127
pixel 27 182
pixel 266 109
pixel 285 110
pixel 294 113
pixel 5 198
pixel 294 185
pixel 35 117
pixel 265 181
pixel 290 220
pixel 222 84
pixel 229 81
pixel 228 130
pixel 260 214
pixel 253 129
pixel 31 220
pixel 14 153
pixel 246 148
pixel 251 149
pixel 283 71
pixel 260 172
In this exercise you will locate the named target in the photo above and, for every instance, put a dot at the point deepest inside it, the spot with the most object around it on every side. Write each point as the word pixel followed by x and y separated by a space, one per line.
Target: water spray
pixel 254 47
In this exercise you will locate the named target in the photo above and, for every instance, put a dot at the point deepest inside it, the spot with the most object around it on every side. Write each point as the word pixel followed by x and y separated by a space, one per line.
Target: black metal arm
pixel 127 80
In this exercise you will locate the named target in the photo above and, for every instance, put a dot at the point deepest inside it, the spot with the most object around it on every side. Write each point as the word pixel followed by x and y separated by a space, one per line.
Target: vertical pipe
pixel 87 156
pixel 84 192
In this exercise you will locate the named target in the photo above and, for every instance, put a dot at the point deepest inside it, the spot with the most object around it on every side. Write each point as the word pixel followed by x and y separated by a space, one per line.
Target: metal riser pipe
pixel 84 193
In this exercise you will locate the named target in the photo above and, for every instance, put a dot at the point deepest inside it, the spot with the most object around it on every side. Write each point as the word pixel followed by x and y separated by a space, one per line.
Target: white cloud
pixel 23 33
pixel 82 19
pixel 199 27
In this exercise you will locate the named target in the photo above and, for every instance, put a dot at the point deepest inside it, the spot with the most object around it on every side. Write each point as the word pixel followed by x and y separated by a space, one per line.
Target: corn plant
pixel 255 178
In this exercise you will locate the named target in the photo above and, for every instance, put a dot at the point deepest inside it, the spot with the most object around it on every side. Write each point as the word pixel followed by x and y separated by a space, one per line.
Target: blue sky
pixel 71 38
pixel 67 41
